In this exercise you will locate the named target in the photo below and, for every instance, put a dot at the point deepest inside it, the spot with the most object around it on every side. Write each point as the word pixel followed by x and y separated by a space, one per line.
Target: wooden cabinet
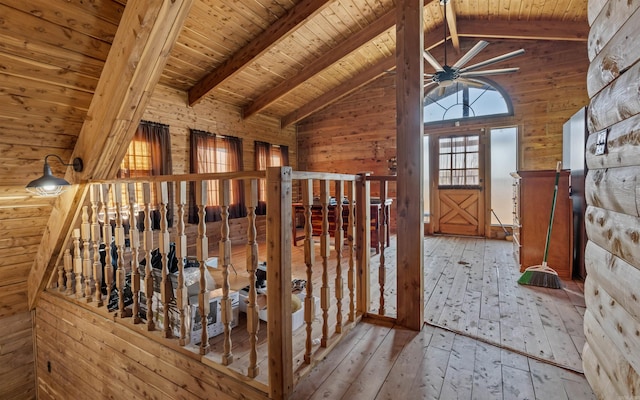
pixel 533 195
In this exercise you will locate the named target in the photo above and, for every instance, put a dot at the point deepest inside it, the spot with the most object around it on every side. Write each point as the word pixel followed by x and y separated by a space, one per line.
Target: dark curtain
pixel 213 153
pixel 150 154
pixel 268 155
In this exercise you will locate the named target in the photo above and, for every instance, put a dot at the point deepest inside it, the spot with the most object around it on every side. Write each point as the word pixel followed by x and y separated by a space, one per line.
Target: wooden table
pixel 316 221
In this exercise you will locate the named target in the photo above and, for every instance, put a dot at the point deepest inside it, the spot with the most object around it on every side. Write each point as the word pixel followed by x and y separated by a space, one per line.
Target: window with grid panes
pixel 459 161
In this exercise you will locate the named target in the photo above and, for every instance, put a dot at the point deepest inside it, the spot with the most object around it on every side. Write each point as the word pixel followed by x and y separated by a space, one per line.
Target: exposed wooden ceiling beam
pixel 387 21
pixel 340 91
pixel 263 42
pixel 452 25
pixel 529 30
pixel 147 31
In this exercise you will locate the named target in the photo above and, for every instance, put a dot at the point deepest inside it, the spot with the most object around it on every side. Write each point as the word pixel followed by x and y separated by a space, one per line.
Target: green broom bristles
pixel 540 275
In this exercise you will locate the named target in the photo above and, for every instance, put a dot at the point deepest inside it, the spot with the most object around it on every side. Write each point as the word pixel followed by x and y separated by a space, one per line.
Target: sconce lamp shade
pixel 48 185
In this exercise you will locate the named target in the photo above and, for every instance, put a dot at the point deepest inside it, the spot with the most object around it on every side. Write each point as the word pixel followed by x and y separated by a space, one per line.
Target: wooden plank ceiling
pixel 285 58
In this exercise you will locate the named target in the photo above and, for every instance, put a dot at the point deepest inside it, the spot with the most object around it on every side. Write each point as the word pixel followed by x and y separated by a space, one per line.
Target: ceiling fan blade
pixel 489 72
pixel 429 83
pixel 470 54
pixel 429 75
pixel 471 83
pixel 431 60
pixel 441 91
pixel 493 60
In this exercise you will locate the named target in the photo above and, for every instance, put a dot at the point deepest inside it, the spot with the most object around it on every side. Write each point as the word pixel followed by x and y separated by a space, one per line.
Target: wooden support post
pixel 363 244
pixel 279 282
pixel 338 239
pixel 309 257
pixel 253 323
pixel 410 132
pixel 325 249
pixel 182 298
pixel 224 194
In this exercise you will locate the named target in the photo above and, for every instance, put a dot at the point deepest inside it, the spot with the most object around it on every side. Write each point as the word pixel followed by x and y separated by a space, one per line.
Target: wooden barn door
pixel 459 197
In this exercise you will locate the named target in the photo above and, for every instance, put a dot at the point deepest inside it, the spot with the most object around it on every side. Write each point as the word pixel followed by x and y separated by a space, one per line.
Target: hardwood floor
pixel 485 337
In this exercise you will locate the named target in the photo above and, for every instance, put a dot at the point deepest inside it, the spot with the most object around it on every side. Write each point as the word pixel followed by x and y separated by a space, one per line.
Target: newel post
pixel 279 282
pixel 363 243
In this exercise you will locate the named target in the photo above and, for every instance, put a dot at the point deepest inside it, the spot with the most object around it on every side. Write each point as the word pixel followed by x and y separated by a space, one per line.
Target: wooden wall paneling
pixel 17 357
pixel 175 375
pixel 609 63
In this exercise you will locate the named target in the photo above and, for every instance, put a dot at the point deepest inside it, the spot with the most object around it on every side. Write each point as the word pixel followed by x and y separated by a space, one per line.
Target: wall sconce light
pixel 48 185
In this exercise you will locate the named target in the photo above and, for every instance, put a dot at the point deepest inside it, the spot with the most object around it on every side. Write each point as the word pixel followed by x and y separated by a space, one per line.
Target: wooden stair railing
pixel 116 210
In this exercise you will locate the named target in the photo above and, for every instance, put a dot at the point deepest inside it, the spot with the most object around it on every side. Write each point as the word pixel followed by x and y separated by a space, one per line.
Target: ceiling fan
pixel 445 75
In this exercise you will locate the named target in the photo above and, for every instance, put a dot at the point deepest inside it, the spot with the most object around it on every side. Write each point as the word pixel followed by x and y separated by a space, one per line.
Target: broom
pixel 543 275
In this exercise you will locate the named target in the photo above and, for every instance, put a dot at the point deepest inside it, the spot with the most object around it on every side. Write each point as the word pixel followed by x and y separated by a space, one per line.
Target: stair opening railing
pixel 111 258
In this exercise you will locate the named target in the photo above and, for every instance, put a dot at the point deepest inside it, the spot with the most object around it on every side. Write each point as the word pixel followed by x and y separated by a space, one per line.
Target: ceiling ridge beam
pixel 256 47
pixel 354 42
pixel 527 30
pixel 340 91
pixel 147 31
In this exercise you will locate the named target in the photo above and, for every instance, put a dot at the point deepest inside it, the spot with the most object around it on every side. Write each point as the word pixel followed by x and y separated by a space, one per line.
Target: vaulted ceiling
pixel 284 58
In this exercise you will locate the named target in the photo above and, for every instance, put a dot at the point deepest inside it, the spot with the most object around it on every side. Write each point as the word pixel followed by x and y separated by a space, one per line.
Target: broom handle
pixel 553 210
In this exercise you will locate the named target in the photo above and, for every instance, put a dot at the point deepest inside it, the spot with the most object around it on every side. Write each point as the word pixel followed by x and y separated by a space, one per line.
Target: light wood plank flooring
pixel 486 337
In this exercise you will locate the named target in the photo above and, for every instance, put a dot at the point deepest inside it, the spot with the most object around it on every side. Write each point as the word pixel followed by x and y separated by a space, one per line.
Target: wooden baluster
pixel 120 245
pixel 351 239
pixel 162 195
pixel 225 258
pixel 182 297
pixel 324 253
pixel 148 248
pixel 68 268
pixel 61 286
pixel 107 237
pixel 202 252
pixel 94 196
pixel 77 263
pixel 382 240
pixel 134 244
pixel 309 257
pixel 87 264
pixel 338 242
pixel 251 192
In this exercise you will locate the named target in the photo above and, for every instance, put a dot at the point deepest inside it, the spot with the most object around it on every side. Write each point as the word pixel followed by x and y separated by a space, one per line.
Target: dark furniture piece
pixel 533 195
pixel 316 221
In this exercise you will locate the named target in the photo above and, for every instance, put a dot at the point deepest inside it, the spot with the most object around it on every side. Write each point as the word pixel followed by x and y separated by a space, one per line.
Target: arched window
pixel 472 99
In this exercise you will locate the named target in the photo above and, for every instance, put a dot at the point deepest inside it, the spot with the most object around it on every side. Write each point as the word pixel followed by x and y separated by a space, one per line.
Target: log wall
pixel 611 356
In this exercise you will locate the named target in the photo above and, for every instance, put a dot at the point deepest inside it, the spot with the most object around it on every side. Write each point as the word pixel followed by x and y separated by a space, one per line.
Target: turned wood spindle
pixel 202 252
pixel 325 250
pixel 309 257
pixel 253 323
